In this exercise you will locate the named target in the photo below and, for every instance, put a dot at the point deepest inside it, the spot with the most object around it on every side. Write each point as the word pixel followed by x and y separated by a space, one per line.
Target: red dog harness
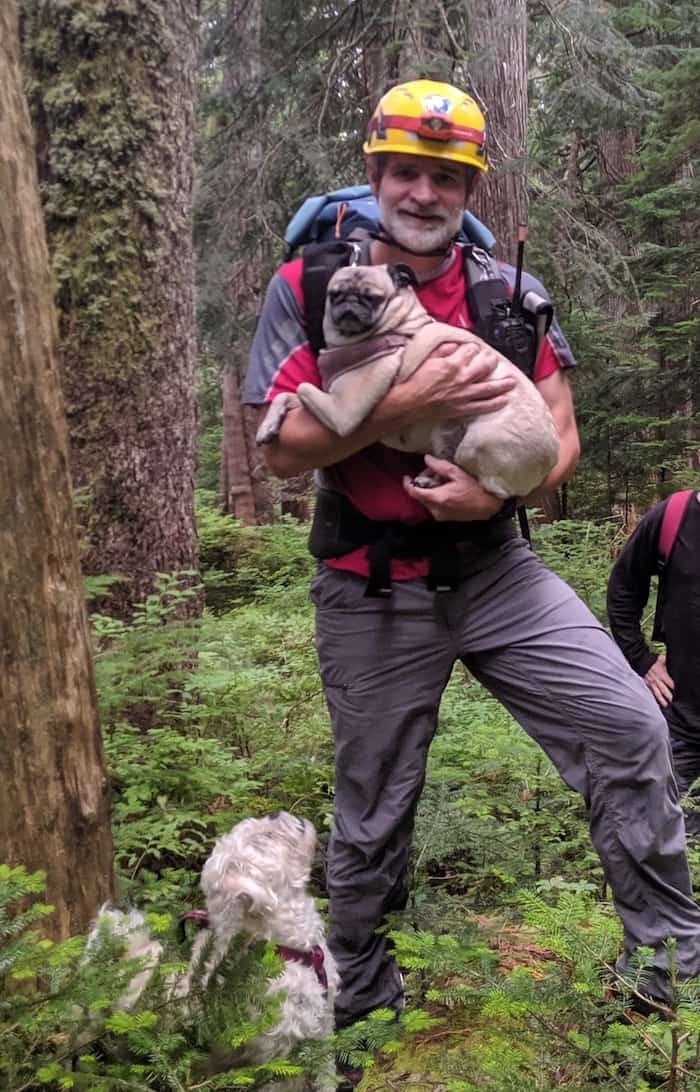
pixel 313 958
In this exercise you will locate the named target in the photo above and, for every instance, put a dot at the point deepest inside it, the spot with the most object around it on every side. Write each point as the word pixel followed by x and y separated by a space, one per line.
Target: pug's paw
pixel 267 432
pixel 280 406
pixel 428 479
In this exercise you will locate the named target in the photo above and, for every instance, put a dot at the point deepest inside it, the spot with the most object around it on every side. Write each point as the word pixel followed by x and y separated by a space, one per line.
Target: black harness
pixel 339 528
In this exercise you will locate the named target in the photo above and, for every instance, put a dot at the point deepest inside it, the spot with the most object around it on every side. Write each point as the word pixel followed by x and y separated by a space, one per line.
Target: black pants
pixel 685 747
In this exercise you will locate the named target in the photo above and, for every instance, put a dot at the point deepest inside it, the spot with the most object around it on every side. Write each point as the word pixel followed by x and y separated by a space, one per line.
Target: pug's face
pixel 357 297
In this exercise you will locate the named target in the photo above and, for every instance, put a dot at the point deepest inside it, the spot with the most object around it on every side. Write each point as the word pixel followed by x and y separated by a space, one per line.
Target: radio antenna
pixel 522 236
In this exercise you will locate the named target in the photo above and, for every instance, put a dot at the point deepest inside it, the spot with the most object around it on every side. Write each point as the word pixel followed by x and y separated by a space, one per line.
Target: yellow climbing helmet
pixel 425 117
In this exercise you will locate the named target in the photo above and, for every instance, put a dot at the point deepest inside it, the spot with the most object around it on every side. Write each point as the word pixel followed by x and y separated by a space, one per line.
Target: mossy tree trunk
pixel 111 91
pixel 54 803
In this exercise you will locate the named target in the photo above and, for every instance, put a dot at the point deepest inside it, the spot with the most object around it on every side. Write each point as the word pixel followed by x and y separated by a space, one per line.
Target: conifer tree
pixel 111 92
pixel 54 804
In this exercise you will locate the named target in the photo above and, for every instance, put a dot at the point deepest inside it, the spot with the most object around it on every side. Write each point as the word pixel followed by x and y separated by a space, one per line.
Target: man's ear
pixel 472 183
pixel 373 175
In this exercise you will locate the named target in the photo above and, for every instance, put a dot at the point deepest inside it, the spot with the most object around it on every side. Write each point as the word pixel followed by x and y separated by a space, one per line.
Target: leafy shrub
pixel 241 729
pixel 494 814
pixel 239 564
pixel 173 795
pixel 523 1007
pixel 581 553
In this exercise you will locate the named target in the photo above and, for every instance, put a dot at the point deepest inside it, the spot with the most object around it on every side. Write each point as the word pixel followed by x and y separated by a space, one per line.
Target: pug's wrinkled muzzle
pixel 353 315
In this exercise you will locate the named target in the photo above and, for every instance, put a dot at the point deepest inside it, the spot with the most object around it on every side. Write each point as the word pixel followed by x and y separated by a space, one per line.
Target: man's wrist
pixel 396 410
pixel 645 663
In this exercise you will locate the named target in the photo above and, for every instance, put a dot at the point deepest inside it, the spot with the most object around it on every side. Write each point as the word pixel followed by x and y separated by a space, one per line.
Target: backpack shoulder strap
pixel 319 263
pixel 479 266
pixel 486 290
pixel 491 288
pixel 670 522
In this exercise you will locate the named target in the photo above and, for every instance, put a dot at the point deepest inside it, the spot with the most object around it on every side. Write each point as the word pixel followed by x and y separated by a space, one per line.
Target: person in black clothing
pixel 673 677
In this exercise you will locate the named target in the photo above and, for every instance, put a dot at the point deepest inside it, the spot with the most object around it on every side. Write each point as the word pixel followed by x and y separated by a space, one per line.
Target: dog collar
pixel 343 358
pixel 313 958
pixel 200 916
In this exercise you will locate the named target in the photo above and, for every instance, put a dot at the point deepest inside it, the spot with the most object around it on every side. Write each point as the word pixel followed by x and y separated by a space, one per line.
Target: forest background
pixel 171 143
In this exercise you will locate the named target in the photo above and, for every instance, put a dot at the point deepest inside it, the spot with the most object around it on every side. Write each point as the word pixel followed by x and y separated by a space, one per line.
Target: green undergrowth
pixel 508 937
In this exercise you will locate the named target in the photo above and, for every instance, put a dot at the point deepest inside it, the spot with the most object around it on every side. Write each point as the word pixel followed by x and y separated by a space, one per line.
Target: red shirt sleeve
pixel 298 367
pixel 547 361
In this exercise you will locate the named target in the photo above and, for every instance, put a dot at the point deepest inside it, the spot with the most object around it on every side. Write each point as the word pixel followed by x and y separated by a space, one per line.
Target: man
pixel 518 628
pixel 673 678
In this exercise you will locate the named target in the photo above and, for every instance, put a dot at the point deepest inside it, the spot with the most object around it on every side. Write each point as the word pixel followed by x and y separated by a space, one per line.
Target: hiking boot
pixel 639 1003
pixel 351 1074
pixel 644 1004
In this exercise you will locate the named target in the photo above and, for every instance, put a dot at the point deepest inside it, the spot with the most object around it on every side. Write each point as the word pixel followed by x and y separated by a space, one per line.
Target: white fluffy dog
pixel 255 881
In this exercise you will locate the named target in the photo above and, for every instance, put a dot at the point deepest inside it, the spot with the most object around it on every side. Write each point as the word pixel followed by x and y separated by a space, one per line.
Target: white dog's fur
pixel 254 881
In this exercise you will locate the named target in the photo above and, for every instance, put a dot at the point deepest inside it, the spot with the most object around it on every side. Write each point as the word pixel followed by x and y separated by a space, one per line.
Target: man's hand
pixel 453 383
pixel 456 382
pixel 660 682
pixel 460 498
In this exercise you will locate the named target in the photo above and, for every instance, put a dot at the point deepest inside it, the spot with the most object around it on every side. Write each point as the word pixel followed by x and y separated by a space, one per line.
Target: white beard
pixel 416 236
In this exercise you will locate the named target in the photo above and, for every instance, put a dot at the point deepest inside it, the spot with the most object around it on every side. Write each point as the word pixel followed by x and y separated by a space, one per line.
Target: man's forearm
pixel 566 464
pixel 304 443
pixel 625 626
pixel 627 596
pixel 452 384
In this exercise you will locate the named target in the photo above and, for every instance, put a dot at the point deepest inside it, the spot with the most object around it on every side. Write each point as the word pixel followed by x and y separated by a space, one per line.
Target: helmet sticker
pixel 437 104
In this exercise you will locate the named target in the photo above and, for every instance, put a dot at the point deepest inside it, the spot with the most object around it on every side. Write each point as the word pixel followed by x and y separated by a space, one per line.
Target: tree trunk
pixel 498 73
pixel 260 478
pixel 113 93
pixel 236 280
pixel 376 72
pixel 54 804
pixel 294 496
pixel 236 484
pixel 498 40
pixel 417 31
pixel 617 156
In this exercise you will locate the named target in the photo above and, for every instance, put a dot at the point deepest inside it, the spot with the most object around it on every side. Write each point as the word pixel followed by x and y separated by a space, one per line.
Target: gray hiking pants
pixel 525 635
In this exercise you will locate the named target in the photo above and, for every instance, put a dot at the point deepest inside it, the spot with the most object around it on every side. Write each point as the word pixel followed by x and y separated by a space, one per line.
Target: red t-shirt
pixel 372 478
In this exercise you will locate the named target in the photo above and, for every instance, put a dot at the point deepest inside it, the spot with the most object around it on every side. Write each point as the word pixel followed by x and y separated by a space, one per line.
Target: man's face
pixel 421 201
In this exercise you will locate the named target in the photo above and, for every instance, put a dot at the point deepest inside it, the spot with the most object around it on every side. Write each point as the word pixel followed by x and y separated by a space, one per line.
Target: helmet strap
pixel 383 236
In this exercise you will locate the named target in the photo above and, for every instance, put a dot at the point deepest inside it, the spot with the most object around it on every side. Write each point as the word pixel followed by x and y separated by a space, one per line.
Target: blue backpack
pixel 334 229
pixel 336 215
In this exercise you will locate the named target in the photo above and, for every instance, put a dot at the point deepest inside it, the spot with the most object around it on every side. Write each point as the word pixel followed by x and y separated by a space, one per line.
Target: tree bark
pixel 498 41
pixel 417 33
pixel 54 804
pixel 617 156
pixel 498 75
pixel 245 491
pixel 236 485
pixel 113 92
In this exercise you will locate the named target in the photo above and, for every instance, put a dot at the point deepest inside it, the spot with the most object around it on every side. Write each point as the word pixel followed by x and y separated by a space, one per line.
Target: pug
pixel 377 333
